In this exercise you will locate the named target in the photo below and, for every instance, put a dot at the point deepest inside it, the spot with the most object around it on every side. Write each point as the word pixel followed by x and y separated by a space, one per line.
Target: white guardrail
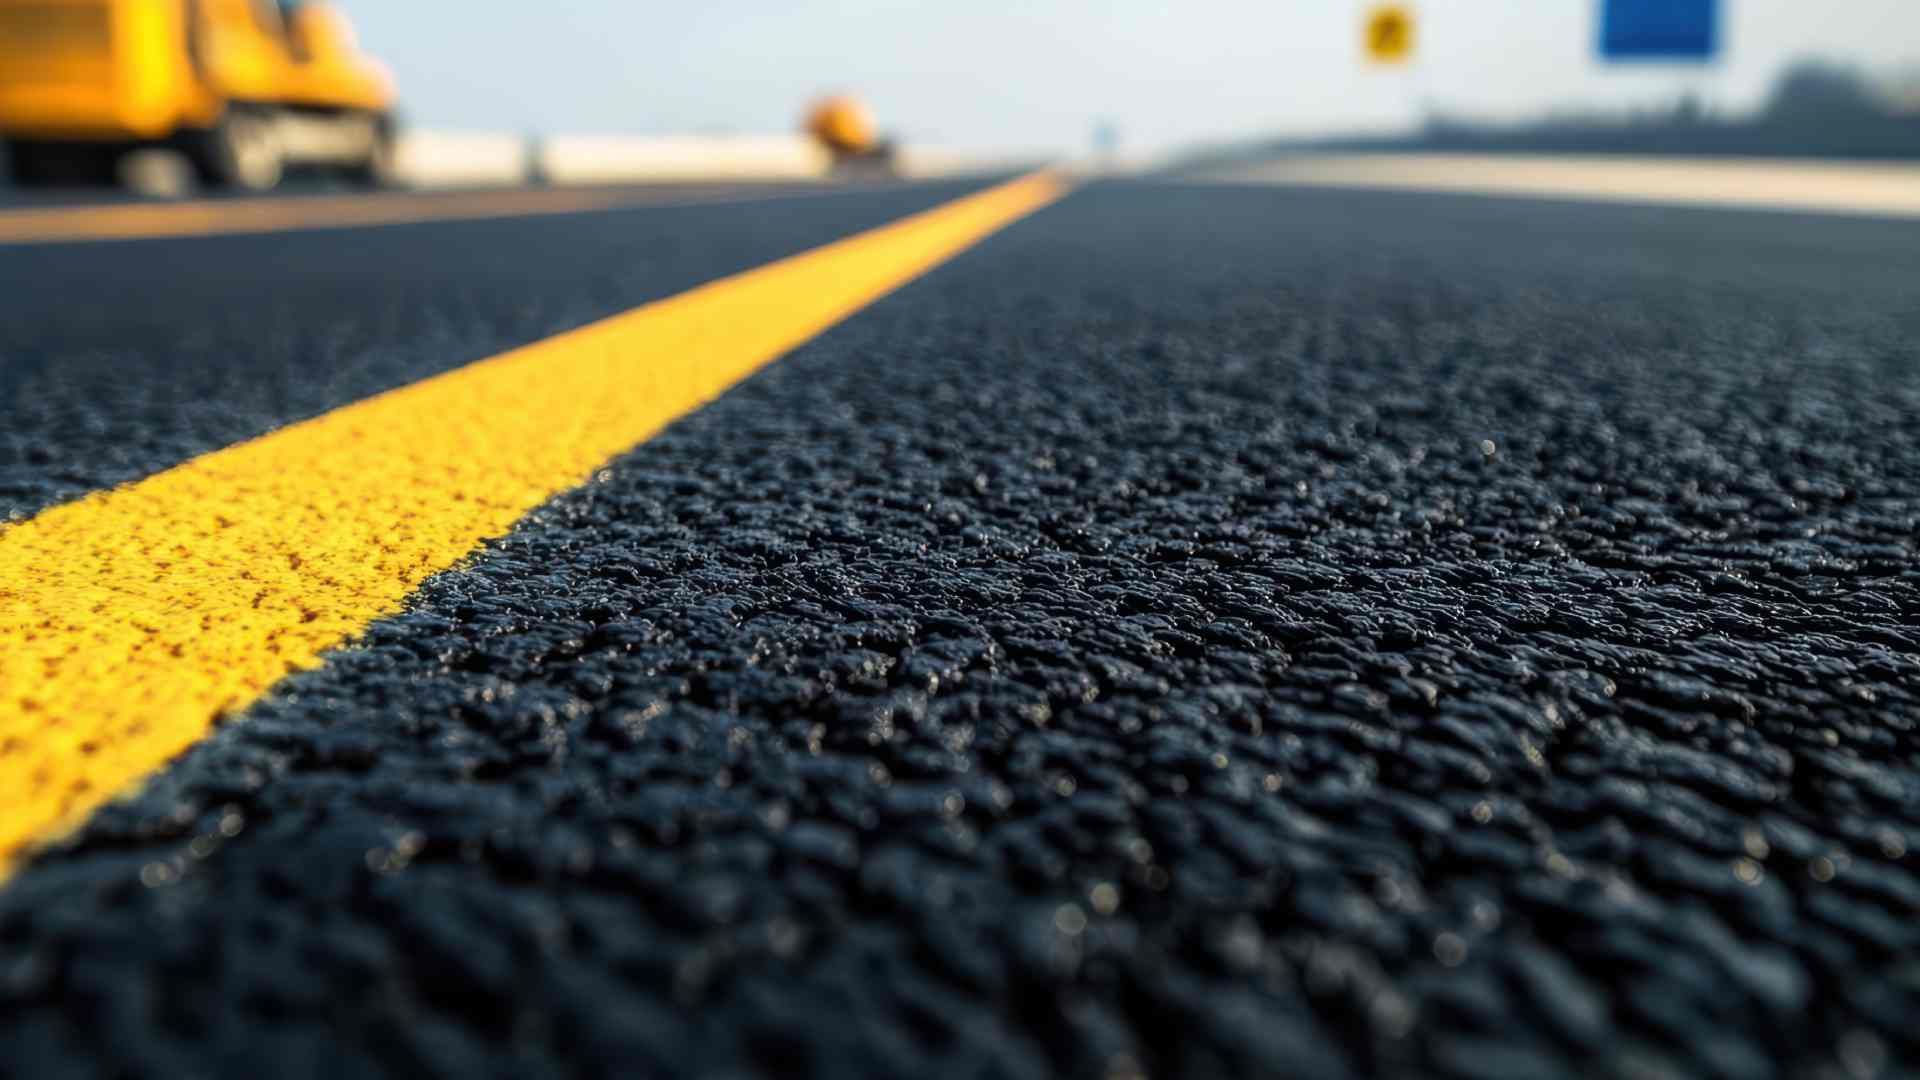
pixel 445 159
pixel 442 159
pixel 603 159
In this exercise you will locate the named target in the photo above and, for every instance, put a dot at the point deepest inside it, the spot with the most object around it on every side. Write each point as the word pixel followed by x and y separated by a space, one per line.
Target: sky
pixel 1039 75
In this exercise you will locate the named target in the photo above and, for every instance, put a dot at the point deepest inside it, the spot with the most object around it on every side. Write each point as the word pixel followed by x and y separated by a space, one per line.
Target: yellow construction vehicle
pixel 845 127
pixel 245 88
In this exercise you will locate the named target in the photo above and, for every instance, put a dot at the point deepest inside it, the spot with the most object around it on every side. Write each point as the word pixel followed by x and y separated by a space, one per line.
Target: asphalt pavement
pixel 125 357
pixel 1202 630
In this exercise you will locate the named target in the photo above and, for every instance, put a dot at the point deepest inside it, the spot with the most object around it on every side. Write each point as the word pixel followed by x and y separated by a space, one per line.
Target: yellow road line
pixel 144 221
pixel 130 621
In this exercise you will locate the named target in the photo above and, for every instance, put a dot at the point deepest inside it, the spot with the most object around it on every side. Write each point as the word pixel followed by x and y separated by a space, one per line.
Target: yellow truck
pixel 844 125
pixel 244 88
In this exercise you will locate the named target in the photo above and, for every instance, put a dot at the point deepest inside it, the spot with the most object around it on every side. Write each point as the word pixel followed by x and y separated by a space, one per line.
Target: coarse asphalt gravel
pixel 1201 631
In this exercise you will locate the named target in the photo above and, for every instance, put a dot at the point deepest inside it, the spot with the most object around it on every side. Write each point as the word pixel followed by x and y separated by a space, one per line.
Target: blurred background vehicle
pixel 244 89
pixel 845 126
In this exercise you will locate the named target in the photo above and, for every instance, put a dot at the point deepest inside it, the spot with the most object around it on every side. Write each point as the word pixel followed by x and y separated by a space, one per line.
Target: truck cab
pixel 245 88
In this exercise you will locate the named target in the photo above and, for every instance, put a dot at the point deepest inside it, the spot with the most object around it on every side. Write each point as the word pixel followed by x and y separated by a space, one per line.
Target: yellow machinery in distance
pixel 244 88
pixel 845 126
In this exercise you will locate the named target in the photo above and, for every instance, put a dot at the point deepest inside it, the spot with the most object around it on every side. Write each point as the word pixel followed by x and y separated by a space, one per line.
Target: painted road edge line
pixel 1874 189
pixel 132 620
pixel 39 225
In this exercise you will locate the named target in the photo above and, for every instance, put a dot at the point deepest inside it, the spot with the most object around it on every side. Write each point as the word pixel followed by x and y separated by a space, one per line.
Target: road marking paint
pixel 227 217
pixel 1890 189
pixel 131 620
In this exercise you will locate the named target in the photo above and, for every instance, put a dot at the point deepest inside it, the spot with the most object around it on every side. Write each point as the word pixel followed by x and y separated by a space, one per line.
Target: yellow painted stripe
pixel 143 221
pixel 132 619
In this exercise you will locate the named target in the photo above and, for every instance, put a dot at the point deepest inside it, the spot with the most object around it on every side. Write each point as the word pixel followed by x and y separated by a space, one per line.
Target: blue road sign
pixel 1659 29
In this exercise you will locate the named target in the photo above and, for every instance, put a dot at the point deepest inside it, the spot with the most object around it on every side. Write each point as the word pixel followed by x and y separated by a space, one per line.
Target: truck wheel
pixel 380 169
pixel 241 151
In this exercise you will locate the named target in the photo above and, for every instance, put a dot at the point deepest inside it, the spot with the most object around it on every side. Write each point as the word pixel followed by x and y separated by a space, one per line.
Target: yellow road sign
pixel 1390 30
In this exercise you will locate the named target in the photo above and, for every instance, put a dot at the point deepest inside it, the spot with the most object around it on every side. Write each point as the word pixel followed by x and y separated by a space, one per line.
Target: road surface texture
pixel 127 357
pixel 1200 631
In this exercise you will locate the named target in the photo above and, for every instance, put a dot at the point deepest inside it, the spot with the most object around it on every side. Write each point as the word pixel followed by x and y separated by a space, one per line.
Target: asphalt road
pixel 1201 630
pixel 126 357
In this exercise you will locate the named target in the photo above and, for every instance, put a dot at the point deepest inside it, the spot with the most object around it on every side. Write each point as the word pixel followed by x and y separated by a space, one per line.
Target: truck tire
pixel 380 169
pixel 241 151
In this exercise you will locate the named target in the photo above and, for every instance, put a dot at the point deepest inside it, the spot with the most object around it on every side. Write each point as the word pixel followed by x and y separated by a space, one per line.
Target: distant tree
pixel 1815 90
pixel 1899 89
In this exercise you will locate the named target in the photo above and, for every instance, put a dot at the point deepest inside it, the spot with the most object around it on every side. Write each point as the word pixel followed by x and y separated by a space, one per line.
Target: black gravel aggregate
pixel 1199 632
